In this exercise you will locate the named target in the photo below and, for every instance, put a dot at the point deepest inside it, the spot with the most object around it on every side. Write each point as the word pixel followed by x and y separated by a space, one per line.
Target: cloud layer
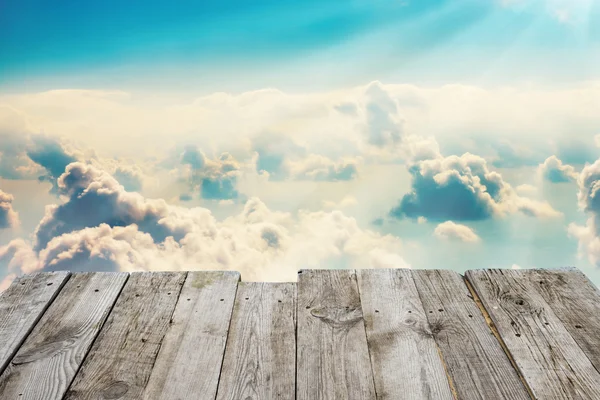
pixel 452 231
pixel 8 216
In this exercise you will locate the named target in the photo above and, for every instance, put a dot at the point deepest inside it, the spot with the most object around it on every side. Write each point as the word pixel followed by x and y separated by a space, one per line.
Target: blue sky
pixel 270 136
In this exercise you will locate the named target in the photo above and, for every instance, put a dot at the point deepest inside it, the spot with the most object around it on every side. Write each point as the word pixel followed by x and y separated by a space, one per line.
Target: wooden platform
pixel 335 334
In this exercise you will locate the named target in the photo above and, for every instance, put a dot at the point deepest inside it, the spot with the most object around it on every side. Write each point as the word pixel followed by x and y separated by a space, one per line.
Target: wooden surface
pixel 46 363
pixel 336 334
pixel 22 305
pixel 189 361
pixel 549 359
pixel 260 360
pixel 333 356
pixel 121 360
pixel 399 338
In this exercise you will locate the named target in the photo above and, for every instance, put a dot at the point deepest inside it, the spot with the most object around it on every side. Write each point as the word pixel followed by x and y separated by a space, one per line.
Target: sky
pixel 270 136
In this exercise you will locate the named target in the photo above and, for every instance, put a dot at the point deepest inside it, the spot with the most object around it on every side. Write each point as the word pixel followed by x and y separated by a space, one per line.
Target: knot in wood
pixel 338 317
pixel 115 390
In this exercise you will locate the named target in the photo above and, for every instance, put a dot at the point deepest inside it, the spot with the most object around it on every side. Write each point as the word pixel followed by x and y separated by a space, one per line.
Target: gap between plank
pixel 227 338
pixel 448 377
pixel 492 327
pixel 97 334
pixel 365 329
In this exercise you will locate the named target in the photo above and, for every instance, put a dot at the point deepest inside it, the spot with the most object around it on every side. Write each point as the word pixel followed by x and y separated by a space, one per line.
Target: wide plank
pixel 548 357
pixel 333 356
pixel 189 361
pixel 260 358
pixel 475 361
pixel 404 356
pixel 576 302
pixel 46 363
pixel 21 307
pixel 120 362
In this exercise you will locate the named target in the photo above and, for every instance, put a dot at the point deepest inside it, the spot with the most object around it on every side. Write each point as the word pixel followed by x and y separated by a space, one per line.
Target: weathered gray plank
pixel 260 358
pixel 22 305
pixel 404 356
pixel 474 359
pixel 120 362
pixel 548 357
pixel 46 363
pixel 333 357
pixel 189 361
pixel 576 302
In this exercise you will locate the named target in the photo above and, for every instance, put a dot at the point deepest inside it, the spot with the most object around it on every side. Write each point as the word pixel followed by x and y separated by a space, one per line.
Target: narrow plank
pixel 404 356
pixel 333 357
pixel 46 363
pixel 576 302
pixel 260 358
pixel 21 307
pixel 189 361
pixel 478 366
pixel 120 362
pixel 548 357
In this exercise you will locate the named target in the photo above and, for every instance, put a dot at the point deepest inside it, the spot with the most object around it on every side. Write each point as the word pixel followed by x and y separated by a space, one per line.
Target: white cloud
pixel 9 218
pixel 553 170
pixel 129 232
pixel 451 231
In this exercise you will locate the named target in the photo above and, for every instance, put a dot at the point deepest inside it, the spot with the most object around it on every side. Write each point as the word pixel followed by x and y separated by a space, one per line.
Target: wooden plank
pixel 546 354
pixel 404 355
pixel 190 358
pixel 45 365
pixel 333 356
pixel 576 302
pixel 22 305
pixel 260 358
pixel 120 362
pixel 478 366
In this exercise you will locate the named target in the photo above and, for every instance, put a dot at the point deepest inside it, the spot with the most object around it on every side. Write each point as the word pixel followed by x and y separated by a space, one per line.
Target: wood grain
pixel 45 365
pixel 404 355
pixel 120 362
pixel 546 354
pixel 478 366
pixel 260 358
pixel 189 361
pixel 576 302
pixel 22 305
pixel 333 357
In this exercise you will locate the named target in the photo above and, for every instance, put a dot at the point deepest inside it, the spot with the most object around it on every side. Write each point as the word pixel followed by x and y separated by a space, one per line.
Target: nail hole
pixel 307 307
pixel 168 294
pixel 517 334
pixel 279 301
pixel 188 299
pixel 247 298
pixel 512 323
pixel 520 302
pixel 430 312
pixel 22 283
pixel 441 309
pixel 546 323
pixel 470 316
pixel 137 295
pixel 49 284
pixel 222 300
pixel 96 290
pixel 410 312
pixel 578 326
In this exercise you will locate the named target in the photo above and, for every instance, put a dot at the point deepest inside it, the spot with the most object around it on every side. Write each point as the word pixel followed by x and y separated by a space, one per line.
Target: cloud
pixel 9 218
pixel 589 201
pixel 215 179
pixel 129 232
pixel 462 188
pixel 383 124
pixel 451 231
pixel 553 170
pixel 282 158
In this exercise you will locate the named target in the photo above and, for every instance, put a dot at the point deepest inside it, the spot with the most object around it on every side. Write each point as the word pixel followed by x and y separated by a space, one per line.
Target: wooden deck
pixel 335 334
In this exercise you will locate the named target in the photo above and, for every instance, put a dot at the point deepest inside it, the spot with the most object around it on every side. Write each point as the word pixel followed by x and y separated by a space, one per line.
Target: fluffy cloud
pixel 452 231
pixel 282 158
pixel 215 179
pixel 129 232
pixel 555 171
pixel 589 201
pixel 462 188
pixel 8 217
